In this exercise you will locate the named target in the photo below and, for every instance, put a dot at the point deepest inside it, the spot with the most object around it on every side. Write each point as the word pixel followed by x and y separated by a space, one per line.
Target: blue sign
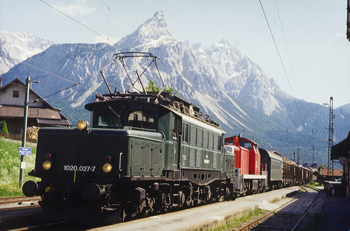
pixel 24 151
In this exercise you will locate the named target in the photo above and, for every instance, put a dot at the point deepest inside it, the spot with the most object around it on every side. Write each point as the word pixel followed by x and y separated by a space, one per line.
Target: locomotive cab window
pixel 108 119
pixel 141 119
pixel 245 144
pixel 219 144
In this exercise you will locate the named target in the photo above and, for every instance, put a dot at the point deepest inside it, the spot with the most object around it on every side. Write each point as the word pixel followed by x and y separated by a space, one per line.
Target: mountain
pixel 222 81
pixel 345 108
pixel 16 47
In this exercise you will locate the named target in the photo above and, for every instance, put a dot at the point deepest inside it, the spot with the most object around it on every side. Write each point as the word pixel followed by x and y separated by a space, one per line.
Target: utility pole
pixel 330 171
pixel 24 135
pixel 298 156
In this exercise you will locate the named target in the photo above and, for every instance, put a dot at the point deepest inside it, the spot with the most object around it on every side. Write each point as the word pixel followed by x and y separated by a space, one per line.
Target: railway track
pixel 288 217
pixel 21 202
pixel 281 219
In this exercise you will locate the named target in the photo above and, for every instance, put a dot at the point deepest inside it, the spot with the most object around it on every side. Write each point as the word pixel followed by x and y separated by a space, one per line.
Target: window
pixel 216 141
pixel 108 119
pixel 205 139
pixel 192 135
pixel 15 94
pixel 219 139
pixel 141 119
pixel 245 144
pixel 211 137
pixel 199 137
pixel 185 133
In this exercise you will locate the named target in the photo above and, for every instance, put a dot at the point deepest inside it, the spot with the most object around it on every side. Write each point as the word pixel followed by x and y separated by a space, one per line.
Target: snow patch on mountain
pixel 81 99
pixel 16 47
pixel 219 78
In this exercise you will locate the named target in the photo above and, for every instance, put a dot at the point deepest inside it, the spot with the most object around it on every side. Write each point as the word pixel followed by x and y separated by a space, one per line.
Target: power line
pixel 57 76
pixel 284 38
pixel 81 24
pixel 109 8
pixel 89 27
pixel 75 20
pixel 76 84
pixel 279 55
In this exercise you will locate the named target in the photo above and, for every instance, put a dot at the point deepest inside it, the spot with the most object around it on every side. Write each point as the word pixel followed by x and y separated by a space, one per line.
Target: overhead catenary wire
pixel 76 84
pixel 280 58
pixel 109 8
pixel 131 27
pixel 57 76
pixel 285 42
pixel 94 31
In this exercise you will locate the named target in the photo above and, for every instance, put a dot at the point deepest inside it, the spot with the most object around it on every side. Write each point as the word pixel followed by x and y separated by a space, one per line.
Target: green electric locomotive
pixel 142 153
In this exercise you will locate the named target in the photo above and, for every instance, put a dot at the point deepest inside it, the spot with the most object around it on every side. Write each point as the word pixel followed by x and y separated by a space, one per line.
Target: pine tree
pixel 4 127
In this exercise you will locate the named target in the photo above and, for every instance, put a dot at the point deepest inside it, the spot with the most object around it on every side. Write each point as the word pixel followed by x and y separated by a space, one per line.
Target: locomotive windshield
pixel 245 144
pixel 109 119
pixel 141 119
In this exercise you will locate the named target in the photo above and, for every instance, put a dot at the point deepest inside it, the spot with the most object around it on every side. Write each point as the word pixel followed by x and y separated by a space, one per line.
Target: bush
pixel 4 127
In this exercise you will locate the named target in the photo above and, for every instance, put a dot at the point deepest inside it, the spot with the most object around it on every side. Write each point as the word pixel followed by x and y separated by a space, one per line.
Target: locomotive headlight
pixel 82 125
pixel 107 167
pixel 47 165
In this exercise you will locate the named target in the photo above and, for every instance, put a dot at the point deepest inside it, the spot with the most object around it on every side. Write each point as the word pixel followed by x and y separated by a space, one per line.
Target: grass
pixel 10 167
pixel 276 199
pixel 314 184
pixel 237 222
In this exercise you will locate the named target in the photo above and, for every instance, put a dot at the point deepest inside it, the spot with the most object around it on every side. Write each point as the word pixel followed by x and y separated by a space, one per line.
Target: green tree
pixel 4 127
pixel 151 87
pixel 322 166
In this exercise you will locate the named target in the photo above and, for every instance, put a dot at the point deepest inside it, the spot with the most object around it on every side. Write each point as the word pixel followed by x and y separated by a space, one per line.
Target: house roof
pixel 337 172
pixel 53 122
pixel 42 113
pixel 341 149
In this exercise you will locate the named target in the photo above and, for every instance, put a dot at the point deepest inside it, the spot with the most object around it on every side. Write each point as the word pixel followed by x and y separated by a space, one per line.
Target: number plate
pixel 72 168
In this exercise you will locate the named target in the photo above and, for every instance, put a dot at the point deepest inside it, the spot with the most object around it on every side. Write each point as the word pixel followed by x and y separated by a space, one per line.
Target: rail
pixel 21 202
pixel 296 222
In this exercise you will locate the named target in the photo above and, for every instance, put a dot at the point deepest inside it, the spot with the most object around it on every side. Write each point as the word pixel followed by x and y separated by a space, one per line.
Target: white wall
pixel 6 96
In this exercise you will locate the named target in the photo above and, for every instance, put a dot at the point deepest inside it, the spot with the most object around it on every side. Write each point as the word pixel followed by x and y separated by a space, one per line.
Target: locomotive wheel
pixel 189 202
pixel 123 215
pixel 182 199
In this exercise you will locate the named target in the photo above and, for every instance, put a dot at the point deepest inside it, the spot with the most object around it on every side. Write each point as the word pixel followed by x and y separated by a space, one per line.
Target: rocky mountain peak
pixel 155 28
pixel 154 32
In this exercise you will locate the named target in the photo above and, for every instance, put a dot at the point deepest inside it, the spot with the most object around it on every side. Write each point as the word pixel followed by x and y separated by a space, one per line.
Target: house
pixel 341 152
pixel 40 113
pixel 337 173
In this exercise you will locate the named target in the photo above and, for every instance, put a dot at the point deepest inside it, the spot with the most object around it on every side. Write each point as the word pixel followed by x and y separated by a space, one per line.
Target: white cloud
pixel 79 7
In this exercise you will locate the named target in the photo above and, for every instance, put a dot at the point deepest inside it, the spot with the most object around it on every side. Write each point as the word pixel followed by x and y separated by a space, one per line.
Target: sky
pixel 300 43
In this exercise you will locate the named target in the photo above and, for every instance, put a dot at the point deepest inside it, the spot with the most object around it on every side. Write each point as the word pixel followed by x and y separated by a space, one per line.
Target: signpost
pixel 24 135
pixel 25 151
